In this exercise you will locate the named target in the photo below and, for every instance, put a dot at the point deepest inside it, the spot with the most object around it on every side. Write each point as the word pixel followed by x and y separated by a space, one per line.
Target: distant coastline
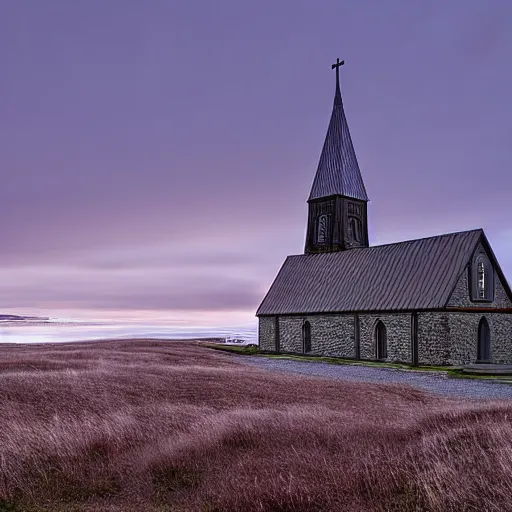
pixel 19 318
pixel 38 329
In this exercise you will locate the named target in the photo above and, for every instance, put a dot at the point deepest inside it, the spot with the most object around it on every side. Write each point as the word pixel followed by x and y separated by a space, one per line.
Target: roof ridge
pixel 466 231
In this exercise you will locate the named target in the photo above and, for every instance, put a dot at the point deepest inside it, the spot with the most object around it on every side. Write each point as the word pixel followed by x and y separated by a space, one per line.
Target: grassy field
pixel 164 426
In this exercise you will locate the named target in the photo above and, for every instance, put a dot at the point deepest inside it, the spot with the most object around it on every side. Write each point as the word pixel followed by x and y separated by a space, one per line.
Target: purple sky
pixel 157 156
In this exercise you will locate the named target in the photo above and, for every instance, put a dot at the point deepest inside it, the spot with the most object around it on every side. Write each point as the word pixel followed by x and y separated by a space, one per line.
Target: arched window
pixel 482 279
pixel 483 352
pixel 323 229
pixel 381 342
pixel 357 337
pixel 355 229
pixel 306 337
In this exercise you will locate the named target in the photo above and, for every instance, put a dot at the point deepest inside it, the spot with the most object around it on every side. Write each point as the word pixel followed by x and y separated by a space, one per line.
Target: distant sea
pixel 65 331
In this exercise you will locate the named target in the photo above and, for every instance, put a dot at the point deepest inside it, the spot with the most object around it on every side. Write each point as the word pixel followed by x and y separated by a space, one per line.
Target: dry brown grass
pixel 155 426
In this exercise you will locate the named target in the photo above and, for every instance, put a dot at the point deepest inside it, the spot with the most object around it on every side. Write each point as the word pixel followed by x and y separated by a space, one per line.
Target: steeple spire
pixel 337 218
pixel 338 171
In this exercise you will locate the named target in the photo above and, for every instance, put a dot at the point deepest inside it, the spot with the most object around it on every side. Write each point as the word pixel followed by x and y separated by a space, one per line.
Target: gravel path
pixel 434 382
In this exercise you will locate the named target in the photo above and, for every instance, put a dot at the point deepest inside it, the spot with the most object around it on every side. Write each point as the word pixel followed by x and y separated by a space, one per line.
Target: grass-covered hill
pixel 168 426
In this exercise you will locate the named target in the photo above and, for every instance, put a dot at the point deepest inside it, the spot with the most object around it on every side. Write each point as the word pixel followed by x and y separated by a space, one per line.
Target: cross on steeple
pixel 337 66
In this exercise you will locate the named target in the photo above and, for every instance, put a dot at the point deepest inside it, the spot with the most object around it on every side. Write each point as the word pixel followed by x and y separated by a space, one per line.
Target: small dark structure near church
pixel 439 300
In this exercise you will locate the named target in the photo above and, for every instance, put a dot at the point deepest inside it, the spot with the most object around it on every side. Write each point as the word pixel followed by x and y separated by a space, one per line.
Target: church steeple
pixel 337 203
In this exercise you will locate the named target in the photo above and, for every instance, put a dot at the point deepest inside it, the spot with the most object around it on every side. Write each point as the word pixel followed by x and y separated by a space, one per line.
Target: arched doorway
pixel 483 352
pixel 381 342
pixel 306 337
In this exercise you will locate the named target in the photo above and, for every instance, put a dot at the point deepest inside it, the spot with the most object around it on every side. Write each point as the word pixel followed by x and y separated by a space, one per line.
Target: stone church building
pixel 441 300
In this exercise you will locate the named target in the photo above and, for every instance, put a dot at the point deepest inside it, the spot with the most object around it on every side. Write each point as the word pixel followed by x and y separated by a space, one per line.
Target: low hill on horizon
pixel 23 318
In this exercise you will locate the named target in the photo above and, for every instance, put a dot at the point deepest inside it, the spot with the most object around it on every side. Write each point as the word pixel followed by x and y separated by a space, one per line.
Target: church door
pixel 306 337
pixel 483 353
pixel 381 344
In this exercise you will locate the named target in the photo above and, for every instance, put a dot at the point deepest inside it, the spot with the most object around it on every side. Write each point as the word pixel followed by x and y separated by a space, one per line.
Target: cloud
pixel 75 288
pixel 210 272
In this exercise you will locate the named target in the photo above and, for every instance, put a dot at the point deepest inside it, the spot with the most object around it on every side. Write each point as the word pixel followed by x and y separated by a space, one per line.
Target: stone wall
pixel 464 337
pixel 290 333
pixel 444 338
pixel 398 331
pixel 267 333
pixel 501 337
pixel 434 345
pixel 331 335
pixel 461 298
pixel 452 337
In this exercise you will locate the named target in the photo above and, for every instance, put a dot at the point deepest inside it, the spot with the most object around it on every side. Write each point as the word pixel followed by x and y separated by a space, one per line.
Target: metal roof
pixel 338 171
pixel 416 274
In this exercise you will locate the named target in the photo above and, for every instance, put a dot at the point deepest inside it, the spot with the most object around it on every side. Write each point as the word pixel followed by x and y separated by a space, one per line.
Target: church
pixel 442 300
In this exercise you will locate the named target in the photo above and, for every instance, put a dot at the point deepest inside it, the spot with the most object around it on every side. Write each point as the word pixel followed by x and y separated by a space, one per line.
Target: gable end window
pixel 481 279
pixel 480 285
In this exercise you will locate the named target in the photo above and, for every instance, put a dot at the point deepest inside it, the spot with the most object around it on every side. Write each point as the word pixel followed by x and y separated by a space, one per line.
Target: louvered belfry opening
pixel 337 204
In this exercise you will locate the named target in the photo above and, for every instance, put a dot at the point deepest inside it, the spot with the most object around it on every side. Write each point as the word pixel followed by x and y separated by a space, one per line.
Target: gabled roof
pixel 338 171
pixel 416 274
